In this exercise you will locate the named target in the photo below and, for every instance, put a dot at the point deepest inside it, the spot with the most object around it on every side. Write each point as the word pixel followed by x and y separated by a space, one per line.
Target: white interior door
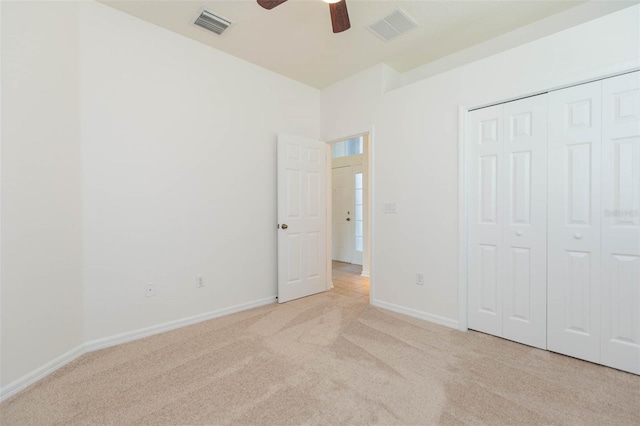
pixel 524 286
pixel 620 286
pixel 507 258
pixel 302 234
pixel 342 206
pixel 486 210
pixel 574 221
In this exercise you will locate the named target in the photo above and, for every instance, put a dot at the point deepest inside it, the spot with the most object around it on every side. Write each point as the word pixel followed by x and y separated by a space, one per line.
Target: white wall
pixel 347 107
pixel 179 172
pixel 415 149
pixel 41 289
pixel 130 155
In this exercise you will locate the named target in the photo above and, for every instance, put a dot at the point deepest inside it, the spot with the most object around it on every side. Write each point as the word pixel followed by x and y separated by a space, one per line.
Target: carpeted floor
pixel 326 359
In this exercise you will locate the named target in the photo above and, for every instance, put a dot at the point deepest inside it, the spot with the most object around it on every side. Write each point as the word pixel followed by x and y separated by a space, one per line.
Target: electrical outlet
pixel 149 290
pixel 200 281
pixel 419 278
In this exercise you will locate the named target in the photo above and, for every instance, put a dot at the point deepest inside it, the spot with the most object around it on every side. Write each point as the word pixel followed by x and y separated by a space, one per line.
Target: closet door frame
pixel 464 176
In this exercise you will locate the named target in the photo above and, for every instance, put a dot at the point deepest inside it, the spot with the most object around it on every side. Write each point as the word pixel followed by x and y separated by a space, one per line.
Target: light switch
pixel 390 207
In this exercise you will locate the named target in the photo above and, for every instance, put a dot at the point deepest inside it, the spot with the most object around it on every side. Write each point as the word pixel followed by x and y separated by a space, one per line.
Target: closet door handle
pixel 577 236
pixel 518 232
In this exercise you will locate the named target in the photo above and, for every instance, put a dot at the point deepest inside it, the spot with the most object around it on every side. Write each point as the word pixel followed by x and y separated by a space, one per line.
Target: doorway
pixel 350 213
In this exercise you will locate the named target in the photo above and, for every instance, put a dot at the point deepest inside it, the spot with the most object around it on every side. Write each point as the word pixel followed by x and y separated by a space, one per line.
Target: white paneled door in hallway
pixel 302 223
pixel 343 209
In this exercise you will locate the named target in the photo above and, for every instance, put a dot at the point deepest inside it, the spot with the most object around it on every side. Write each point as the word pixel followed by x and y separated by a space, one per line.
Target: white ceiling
pixel 295 38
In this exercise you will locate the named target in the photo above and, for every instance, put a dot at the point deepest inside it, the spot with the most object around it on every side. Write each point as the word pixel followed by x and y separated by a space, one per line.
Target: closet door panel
pixel 620 287
pixel 573 287
pixel 486 212
pixel 524 190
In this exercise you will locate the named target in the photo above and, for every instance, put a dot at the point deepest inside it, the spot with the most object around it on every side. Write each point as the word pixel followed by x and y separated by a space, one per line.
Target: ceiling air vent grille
pixel 391 26
pixel 212 22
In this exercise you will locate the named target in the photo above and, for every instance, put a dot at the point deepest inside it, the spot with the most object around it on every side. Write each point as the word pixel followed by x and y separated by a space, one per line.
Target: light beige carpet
pixel 326 359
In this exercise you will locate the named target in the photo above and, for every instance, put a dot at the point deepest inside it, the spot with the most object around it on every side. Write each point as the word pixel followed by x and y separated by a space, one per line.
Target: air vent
pixel 391 26
pixel 212 22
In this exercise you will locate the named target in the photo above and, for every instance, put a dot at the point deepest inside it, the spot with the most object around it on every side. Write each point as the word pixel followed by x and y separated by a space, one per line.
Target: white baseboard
pixel 365 273
pixel 40 373
pixel 93 345
pixel 118 339
pixel 447 322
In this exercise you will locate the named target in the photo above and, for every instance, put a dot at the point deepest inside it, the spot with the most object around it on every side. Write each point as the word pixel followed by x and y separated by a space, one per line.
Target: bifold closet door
pixel 486 216
pixel 574 221
pixel 507 220
pixel 524 300
pixel 620 236
pixel 594 222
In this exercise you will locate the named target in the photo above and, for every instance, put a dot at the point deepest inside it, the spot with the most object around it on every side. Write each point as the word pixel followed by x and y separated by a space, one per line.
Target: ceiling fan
pixel 338 9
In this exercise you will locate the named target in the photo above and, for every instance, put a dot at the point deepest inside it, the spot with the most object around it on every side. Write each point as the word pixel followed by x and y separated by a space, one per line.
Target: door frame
pixel 463 175
pixel 367 256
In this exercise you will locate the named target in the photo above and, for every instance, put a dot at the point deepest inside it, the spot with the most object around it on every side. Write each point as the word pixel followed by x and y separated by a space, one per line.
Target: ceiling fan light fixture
pixel 337 8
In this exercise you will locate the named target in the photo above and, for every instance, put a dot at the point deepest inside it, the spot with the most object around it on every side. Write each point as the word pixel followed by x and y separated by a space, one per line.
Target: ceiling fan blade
pixel 270 4
pixel 339 16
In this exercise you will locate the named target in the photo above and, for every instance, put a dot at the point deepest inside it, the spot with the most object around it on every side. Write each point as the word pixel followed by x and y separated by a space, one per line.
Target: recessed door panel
pixel 293 187
pixel 521 188
pixel 488 189
pixel 626 175
pixel 488 278
pixel 313 195
pixel 624 292
pixel 521 282
pixel 578 184
pixel 342 206
pixel 578 288
pixel 314 267
pixel 294 262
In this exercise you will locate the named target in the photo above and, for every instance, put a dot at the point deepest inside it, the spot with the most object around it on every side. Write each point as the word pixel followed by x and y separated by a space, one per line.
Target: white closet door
pixel 524 189
pixel 573 322
pixel 620 287
pixel 507 220
pixel 486 210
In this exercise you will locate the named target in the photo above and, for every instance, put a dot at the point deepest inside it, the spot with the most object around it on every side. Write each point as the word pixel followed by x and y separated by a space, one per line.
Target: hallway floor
pixel 347 278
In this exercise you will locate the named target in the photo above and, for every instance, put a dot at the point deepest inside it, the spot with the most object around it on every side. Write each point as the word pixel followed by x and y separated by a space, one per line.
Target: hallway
pixel 347 279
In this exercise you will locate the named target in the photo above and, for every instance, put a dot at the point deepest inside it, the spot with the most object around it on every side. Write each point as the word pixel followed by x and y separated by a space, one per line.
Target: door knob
pixel 348 219
pixel 518 232
pixel 577 236
pixel 285 226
